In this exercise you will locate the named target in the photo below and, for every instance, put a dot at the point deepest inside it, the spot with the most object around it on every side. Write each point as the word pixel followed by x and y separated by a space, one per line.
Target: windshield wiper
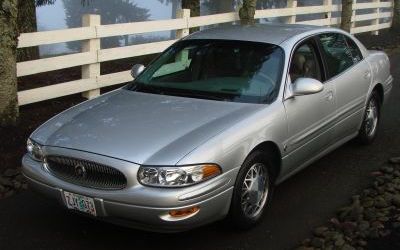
pixel 195 95
pixel 141 87
pixel 147 88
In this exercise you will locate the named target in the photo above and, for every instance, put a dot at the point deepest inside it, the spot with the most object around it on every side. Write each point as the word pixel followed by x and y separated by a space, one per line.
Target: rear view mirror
pixel 306 86
pixel 137 69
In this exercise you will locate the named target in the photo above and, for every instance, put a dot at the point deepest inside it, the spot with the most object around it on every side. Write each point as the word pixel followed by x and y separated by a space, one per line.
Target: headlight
pixel 35 150
pixel 177 176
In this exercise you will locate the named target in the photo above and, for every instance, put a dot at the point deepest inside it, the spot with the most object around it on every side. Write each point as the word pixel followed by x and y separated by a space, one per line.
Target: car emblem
pixel 80 171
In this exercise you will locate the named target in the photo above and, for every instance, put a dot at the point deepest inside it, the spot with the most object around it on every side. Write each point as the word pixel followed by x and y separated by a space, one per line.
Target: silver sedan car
pixel 211 126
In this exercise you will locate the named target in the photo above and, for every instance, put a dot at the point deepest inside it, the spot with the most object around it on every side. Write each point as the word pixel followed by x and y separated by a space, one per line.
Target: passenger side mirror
pixel 137 69
pixel 306 86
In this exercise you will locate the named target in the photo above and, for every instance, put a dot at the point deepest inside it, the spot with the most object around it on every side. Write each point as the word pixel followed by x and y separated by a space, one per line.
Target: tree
pixel 27 23
pixel 122 11
pixel 8 69
pixel 347 11
pixel 194 6
pixel 247 11
pixel 223 6
pixel 396 16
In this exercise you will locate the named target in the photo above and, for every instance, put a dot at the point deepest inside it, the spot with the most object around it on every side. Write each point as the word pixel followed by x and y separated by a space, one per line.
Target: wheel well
pixel 271 147
pixel 379 89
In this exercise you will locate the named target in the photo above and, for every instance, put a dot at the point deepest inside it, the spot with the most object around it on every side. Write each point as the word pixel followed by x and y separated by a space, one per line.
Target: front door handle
pixel 329 96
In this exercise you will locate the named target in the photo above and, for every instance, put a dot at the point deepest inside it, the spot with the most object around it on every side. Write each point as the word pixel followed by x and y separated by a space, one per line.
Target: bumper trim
pixel 148 218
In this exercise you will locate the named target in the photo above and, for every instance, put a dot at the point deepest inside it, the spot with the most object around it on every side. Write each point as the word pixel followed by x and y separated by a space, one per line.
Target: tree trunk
pixel 27 23
pixel 194 6
pixel 347 11
pixel 247 12
pixel 8 69
pixel 396 16
pixel 173 15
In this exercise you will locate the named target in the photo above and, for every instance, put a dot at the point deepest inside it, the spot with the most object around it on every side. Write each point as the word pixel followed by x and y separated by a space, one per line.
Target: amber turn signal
pixel 184 212
pixel 210 170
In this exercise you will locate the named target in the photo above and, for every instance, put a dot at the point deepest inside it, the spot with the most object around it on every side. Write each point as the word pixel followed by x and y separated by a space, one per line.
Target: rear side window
pixel 338 55
pixel 355 51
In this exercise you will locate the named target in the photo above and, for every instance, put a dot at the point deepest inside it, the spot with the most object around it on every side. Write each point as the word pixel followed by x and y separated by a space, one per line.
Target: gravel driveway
pixel 27 221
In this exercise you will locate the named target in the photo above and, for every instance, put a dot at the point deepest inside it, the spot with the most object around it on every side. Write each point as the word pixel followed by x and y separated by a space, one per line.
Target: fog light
pixel 184 212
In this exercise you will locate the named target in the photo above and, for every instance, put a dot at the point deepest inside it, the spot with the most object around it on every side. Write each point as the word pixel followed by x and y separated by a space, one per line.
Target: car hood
pixel 139 127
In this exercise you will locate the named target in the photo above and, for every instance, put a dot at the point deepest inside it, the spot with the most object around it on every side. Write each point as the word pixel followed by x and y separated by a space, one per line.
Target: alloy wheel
pixel 371 118
pixel 255 189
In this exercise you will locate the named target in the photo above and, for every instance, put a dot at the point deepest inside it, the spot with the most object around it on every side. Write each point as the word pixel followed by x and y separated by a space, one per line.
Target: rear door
pixel 351 76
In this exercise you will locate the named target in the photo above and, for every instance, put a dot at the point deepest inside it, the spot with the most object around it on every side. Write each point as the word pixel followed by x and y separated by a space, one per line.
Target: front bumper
pixel 142 207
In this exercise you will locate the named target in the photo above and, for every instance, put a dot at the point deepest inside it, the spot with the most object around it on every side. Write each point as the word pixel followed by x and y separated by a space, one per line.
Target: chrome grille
pixel 85 173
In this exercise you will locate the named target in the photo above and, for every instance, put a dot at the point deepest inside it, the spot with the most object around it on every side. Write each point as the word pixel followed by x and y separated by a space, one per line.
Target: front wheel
pixel 252 191
pixel 369 127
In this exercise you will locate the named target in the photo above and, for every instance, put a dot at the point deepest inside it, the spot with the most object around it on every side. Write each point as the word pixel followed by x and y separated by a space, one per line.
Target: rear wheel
pixel 369 127
pixel 252 190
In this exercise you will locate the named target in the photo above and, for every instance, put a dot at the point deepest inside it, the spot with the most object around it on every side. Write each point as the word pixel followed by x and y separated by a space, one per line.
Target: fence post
pixel 375 22
pixel 292 4
pixel 92 45
pixel 328 15
pixel 185 14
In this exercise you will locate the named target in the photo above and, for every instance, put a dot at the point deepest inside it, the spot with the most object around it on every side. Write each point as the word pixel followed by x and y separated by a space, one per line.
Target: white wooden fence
pixel 92 55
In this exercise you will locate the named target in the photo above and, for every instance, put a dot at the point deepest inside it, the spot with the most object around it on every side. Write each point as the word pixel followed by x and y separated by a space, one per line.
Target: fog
pixel 68 14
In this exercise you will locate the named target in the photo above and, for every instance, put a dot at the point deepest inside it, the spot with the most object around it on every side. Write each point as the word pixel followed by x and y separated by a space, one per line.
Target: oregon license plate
pixel 79 202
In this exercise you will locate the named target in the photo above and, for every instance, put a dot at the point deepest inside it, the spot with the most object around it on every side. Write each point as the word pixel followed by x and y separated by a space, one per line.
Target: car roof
pixel 273 33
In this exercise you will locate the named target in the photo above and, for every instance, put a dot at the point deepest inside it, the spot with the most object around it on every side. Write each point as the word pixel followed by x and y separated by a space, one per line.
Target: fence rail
pixel 92 55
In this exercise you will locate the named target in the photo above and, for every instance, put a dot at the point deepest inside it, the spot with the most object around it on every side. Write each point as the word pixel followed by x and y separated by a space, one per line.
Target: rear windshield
pixel 236 71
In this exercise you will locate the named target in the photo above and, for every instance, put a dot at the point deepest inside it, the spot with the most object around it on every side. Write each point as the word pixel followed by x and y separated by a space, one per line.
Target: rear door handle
pixel 367 74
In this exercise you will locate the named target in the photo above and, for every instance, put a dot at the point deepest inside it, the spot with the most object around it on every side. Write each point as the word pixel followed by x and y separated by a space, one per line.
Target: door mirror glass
pixel 307 86
pixel 136 70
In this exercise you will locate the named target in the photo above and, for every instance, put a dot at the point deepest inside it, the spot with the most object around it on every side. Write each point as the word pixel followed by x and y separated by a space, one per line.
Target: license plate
pixel 79 202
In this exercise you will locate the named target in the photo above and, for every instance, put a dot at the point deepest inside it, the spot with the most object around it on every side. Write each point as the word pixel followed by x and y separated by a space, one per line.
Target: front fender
pixel 230 148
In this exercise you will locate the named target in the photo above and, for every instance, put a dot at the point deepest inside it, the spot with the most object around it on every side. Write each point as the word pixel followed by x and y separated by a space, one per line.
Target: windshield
pixel 237 71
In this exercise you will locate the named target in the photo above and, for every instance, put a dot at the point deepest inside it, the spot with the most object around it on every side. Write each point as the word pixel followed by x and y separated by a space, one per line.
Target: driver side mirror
pixel 306 86
pixel 137 69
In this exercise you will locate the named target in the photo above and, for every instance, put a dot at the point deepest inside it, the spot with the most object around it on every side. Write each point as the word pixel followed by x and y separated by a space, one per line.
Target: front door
pixel 310 128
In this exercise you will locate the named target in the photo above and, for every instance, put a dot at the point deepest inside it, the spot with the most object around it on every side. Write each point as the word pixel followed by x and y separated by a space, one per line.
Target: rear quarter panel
pixel 380 69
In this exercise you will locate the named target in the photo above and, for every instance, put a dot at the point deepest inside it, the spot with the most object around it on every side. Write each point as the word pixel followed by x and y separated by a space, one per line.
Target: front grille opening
pixel 86 173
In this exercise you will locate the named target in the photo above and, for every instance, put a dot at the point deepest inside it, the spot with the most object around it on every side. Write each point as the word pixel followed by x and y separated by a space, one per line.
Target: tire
pixel 241 217
pixel 371 118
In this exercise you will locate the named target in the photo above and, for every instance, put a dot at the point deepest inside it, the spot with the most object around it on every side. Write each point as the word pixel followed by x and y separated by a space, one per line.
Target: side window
pixel 355 51
pixel 305 63
pixel 338 56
